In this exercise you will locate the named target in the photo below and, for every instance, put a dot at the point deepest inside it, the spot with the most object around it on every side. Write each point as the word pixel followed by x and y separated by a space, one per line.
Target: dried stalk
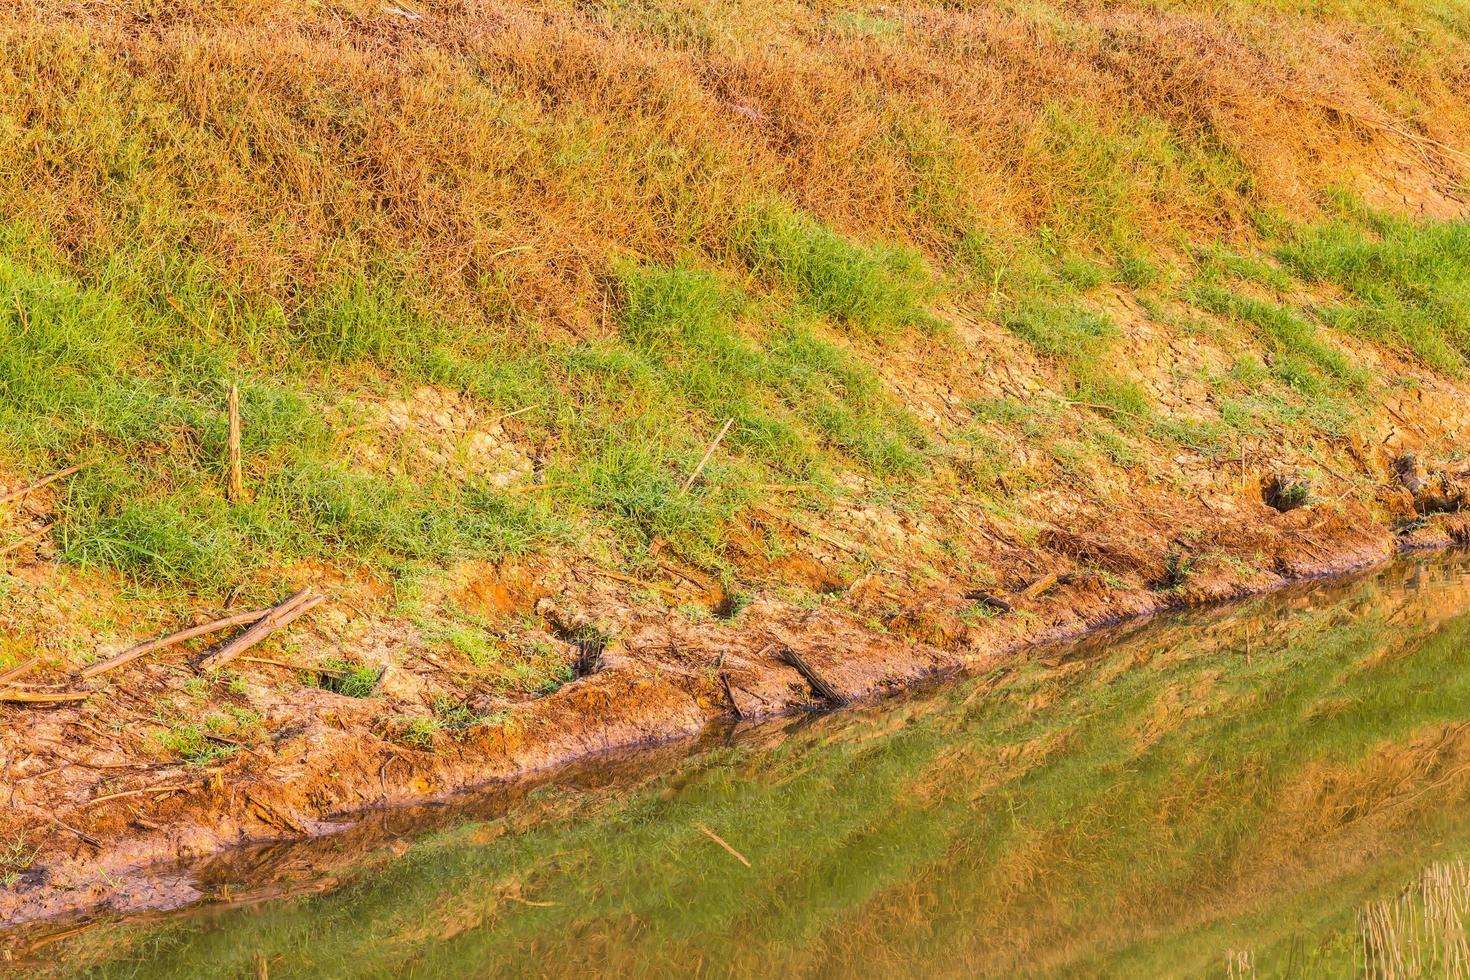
pixel 707 454
pixel 237 473
pixel 722 842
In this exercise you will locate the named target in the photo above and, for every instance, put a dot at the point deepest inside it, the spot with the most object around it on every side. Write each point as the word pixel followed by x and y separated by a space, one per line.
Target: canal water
pixel 1275 788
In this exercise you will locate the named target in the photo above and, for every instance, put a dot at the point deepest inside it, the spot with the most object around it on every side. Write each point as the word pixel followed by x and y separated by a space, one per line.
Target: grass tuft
pixel 873 289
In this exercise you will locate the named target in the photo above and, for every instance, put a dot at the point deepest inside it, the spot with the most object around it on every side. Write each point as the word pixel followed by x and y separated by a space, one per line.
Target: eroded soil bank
pixel 90 803
pixel 1236 783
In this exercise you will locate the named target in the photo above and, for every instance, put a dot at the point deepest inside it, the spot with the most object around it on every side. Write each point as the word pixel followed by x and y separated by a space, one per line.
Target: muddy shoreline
pixel 335 772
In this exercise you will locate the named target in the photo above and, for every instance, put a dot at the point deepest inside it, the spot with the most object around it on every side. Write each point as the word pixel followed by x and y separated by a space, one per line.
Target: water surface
pixel 1271 789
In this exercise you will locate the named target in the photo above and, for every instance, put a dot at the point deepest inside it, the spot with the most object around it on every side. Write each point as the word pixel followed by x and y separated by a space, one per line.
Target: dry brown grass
pixel 509 151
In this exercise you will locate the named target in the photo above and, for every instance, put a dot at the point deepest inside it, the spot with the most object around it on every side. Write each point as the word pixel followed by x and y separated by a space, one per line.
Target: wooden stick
pixel 986 599
pixel 20 669
pixel 707 454
pixel 173 639
pixel 819 684
pixel 22 491
pixel 730 696
pixel 1040 585
pixel 237 475
pixel 43 697
pixel 147 791
pixel 721 841
pixel 281 615
pixel 85 837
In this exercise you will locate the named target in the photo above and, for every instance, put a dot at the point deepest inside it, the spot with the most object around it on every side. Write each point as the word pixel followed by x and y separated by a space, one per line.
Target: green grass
pixel 1218 265
pixel 128 366
pixel 1304 359
pixel 872 289
pixel 1406 284
pixel 348 678
pixel 203 743
pixel 1110 181
pixel 16 857
pixel 88 374
pixel 1082 340
pixel 450 716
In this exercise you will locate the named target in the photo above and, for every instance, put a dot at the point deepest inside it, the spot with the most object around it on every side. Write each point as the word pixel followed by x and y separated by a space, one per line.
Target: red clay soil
pixel 100 806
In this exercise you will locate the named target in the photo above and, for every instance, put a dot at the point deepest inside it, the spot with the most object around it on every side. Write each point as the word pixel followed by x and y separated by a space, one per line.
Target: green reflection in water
pixel 1217 793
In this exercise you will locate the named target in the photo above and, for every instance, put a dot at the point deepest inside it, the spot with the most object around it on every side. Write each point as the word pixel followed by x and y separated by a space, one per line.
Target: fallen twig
pixel 1040 586
pixel 730 696
pixel 43 697
pixel 287 612
pixel 146 791
pixel 28 488
pixel 85 837
pixel 270 815
pixel 619 577
pixel 19 670
pixel 173 639
pixel 819 684
pixel 986 599
pixel 722 842
pixel 707 454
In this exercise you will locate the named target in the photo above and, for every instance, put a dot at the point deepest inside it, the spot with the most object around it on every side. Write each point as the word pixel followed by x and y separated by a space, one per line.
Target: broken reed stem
pixel 819 684
pixel 173 639
pixel 707 454
pixel 30 487
pixel 237 475
pixel 520 411
pixel 298 604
